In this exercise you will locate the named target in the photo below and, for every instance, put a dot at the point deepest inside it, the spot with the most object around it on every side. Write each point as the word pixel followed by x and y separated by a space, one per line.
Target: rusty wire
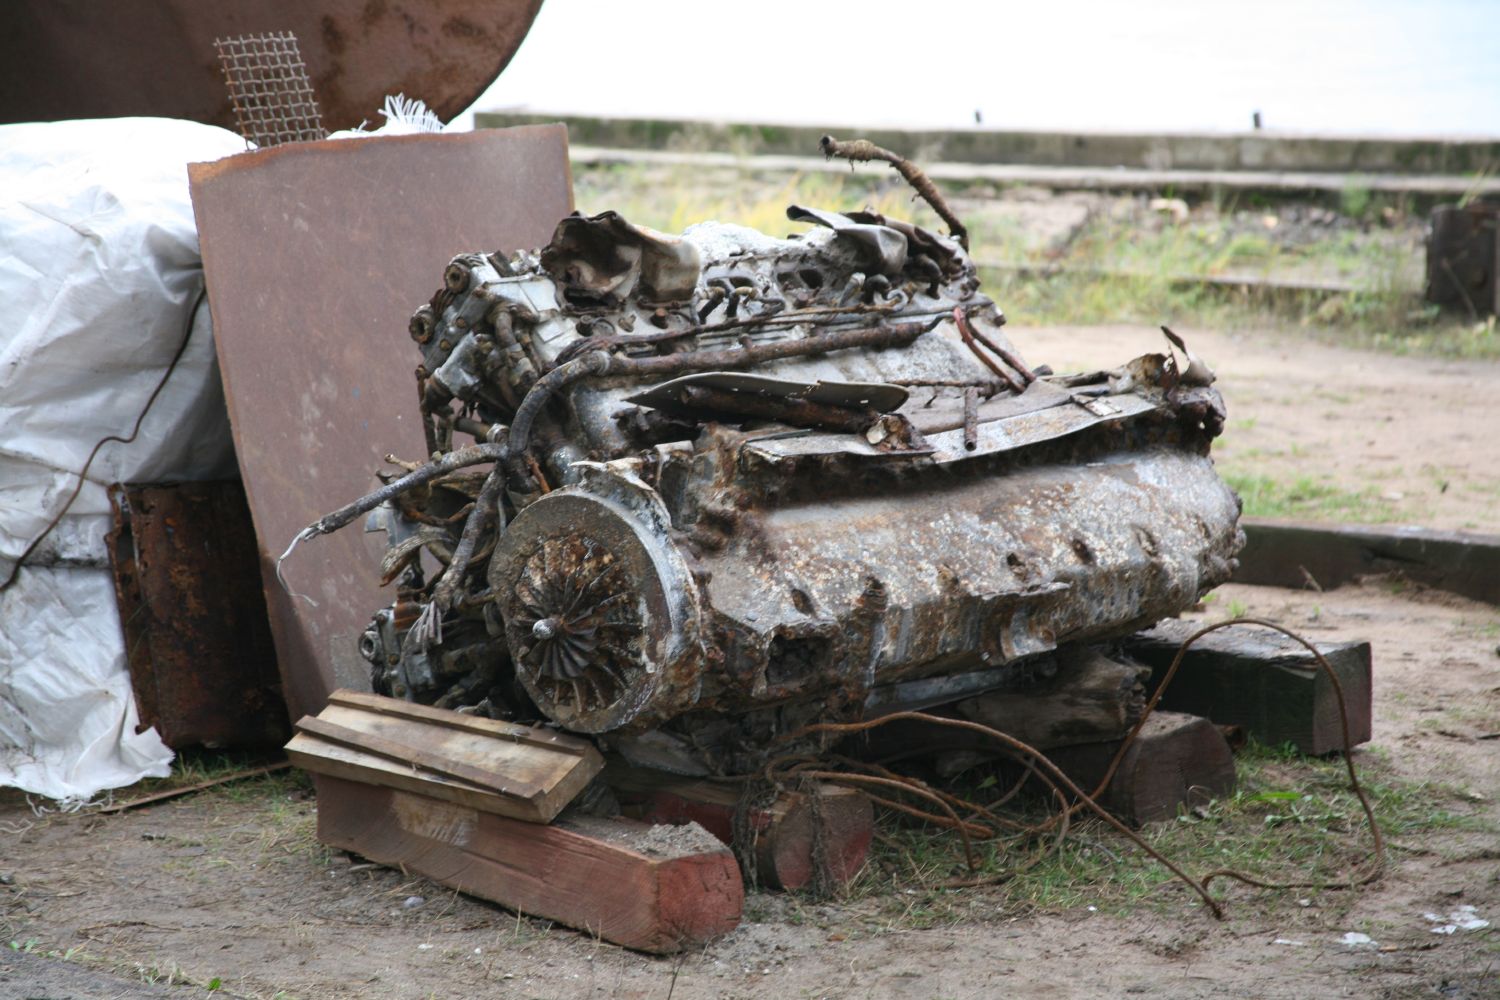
pixel 1053 772
pixel 83 473
pixel 968 334
pixel 863 151
pixel 1378 853
pixel 1058 782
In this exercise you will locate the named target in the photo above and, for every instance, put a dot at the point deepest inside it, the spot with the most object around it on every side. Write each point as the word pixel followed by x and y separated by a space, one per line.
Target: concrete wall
pixel 1245 151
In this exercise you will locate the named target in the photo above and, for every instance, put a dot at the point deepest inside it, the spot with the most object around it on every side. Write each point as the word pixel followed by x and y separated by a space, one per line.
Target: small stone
pixel 412 902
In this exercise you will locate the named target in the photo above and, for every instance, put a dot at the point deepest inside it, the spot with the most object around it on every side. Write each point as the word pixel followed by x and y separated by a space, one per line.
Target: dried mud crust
pixel 231 884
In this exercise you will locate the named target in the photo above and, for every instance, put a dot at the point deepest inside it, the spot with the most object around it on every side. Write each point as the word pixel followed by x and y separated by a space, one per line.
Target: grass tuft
pixel 1292 819
pixel 1307 498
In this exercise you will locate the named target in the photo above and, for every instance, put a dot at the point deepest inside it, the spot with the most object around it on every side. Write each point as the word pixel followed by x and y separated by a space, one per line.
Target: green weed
pixel 1306 498
pixel 1291 819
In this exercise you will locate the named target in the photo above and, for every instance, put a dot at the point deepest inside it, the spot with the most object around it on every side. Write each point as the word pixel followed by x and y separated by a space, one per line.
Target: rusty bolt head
pixel 421 324
pixel 456 277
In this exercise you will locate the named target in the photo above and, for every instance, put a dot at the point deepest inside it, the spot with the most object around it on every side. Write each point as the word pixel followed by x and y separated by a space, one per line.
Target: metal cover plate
pixel 878 396
pixel 315 254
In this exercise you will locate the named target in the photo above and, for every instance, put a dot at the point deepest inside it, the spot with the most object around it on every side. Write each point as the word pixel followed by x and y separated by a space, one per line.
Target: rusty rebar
pixel 967 329
pixel 863 151
pixel 600 363
pixel 971 418
pixel 966 333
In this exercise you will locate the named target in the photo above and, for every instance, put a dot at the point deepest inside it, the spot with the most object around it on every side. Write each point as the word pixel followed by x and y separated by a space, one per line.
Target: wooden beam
pixel 1177 761
pixel 653 888
pixel 790 832
pixel 1289 554
pixel 1263 681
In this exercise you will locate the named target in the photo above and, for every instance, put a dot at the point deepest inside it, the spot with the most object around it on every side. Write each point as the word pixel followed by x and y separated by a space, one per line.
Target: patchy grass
pixel 197 765
pixel 1292 819
pixel 1310 499
pixel 1116 270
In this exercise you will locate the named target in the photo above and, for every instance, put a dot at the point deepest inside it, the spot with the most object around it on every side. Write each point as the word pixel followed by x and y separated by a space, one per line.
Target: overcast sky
pixel 1336 66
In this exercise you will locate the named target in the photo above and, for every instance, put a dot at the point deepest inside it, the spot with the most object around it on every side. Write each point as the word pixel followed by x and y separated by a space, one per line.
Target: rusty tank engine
pixel 686 493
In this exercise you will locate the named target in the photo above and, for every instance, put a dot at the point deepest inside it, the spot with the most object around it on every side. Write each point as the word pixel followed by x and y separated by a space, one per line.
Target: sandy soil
pixel 231 884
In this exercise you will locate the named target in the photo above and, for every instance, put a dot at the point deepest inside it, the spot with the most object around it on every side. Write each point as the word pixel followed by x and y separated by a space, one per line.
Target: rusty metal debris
pixel 268 86
pixel 740 485
pixel 130 58
pixel 196 638
pixel 295 330
pixel 863 151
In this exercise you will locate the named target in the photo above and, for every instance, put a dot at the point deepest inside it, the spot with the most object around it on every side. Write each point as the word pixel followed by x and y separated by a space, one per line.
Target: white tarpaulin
pixel 99 278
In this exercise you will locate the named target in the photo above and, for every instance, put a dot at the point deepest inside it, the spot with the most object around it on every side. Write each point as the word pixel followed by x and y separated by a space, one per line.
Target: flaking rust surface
pixel 313 254
pixel 156 57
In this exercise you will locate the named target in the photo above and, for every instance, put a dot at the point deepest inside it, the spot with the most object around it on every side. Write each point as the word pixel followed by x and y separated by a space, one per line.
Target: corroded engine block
pixel 741 480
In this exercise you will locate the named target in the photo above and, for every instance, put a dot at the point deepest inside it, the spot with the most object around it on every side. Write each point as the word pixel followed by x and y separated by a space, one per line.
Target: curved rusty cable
pixel 83 473
pixel 863 151
pixel 966 333
pixel 979 832
pixel 837 776
pixel 1376 835
pixel 954 800
pixel 1021 747
pixel 1378 866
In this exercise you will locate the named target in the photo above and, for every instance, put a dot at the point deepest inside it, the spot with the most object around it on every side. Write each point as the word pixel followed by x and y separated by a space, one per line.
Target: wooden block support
pixel 1089 698
pixel 786 831
pixel 526 772
pixel 1259 679
pixel 1176 761
pixel 1288 553
pixel 652 888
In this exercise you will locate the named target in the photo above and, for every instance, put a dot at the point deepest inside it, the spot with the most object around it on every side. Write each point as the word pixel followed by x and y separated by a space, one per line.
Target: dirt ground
pixel 231 886
pixel 1404 439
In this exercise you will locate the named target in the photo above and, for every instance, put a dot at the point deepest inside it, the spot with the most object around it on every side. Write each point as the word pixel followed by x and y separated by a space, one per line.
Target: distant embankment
pixel 1262 152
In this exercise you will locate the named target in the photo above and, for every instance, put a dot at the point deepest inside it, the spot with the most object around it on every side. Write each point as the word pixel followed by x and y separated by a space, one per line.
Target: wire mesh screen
pixel 267 80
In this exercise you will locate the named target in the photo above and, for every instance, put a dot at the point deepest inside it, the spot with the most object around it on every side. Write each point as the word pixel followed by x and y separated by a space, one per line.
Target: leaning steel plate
pixel 90 59
pixel 313 253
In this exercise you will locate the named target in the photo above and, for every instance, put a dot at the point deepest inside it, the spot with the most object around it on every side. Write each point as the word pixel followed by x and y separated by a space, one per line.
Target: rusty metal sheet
pixel 313 255
pixel 197 641
pixel 86 59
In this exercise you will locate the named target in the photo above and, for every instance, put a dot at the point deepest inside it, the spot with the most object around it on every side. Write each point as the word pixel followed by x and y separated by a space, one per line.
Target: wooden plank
pixel 1289 554
pixel 1176 761
pixel 840 825
pixel 1263 681
pixel 652 888
pixel 416 756
pixel 457 720
pixel 448 756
